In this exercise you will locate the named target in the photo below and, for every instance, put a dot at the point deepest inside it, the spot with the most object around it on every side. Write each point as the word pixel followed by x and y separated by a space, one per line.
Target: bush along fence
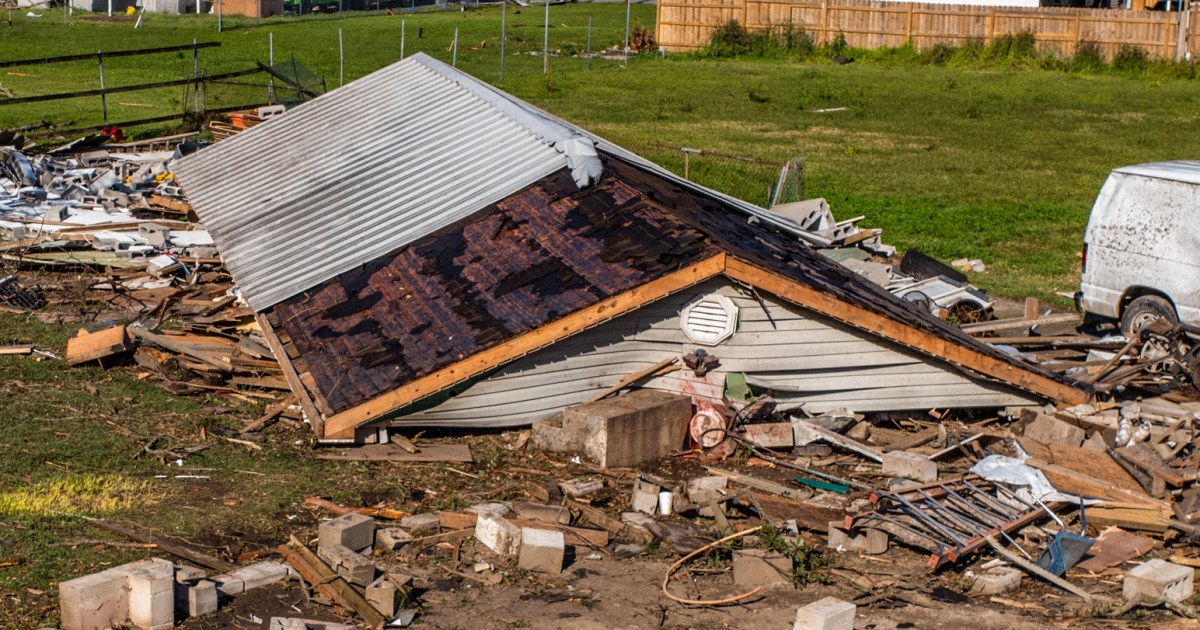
pixel 685 25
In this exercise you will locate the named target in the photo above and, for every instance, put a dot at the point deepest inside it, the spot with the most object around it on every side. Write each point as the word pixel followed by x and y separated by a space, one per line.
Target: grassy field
pixel 996 163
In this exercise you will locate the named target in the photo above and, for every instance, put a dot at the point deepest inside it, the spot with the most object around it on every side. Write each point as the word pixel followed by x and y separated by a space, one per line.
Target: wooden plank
pixel 1075 482
pixel 184 348
pixel 289 373
pixel 1094 465
pixel 807 515
pixel 261 382
pixel 923 341
pixel 762 484
pixel 392 453
pixel 807 432
pixel 18 349
pixel 1026 322
pixel 340 590
pixel 342 425
pixel 630 379
pixel 179 549
pixel 1142 519
pixel 98 345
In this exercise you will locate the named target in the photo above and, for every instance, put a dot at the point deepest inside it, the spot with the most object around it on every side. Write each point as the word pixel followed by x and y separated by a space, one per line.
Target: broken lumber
pixel 317 573
pixel 96 346
pixel 269 416
pixel 181 550
pixel 181 348
pixel 374 512
pixel 807 432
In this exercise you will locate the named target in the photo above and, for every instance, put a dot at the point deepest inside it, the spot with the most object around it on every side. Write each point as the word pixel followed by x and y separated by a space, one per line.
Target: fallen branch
pixel 179 550
pixel 705 548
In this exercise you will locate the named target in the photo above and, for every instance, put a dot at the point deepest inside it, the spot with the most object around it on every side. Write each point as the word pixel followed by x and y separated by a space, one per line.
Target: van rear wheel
pixel 1144 310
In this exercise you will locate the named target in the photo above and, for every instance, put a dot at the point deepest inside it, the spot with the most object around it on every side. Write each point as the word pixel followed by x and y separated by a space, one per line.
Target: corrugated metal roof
pixel 374 165
pixel 359 172
pixel 1187 171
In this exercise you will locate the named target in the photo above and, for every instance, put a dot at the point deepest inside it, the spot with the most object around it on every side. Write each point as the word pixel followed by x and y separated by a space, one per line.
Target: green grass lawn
pixel 999 164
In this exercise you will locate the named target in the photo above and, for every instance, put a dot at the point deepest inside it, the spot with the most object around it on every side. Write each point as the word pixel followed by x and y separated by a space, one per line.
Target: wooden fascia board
pixel 342 425
pixel 908 336
pixel 289 373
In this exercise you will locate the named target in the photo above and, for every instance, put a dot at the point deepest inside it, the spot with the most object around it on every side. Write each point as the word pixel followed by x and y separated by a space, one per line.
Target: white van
pixel 1141 250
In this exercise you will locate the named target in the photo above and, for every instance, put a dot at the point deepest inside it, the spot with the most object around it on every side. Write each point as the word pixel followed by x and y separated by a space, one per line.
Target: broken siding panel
pixel 856 372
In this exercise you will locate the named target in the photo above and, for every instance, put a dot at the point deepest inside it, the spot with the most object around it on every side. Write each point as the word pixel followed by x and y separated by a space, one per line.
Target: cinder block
pixel 260 574
pixel 151 593
pixel 645 497
pixel 1159 579
pixel 910 465
pixel 228 585
pixel 830 613
pixel 760 567
pixel 185 574
pixel 700 489
pixel 391 538
pixel 494 509
pixel 545 513
pixel 622 431
pixel 542 550
pixel 997 580
pixel 1051 430
pixel 94 602
pixel 498 534
pixel 348 564
pixel 427 523
pixel 576 488
pixel 352 531
pixel 381 594
pixel 867 540
pixel 195 600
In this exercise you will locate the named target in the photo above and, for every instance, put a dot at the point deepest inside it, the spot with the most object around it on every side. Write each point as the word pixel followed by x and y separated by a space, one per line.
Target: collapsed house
pixel 423 249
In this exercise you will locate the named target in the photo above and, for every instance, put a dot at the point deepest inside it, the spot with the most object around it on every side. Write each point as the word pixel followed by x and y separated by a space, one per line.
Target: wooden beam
pixel 929 343
pixel 289 374
pixel 321 575
pixel 342 425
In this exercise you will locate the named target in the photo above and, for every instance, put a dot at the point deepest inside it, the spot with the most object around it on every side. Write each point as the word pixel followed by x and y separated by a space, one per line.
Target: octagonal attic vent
pixel 709 319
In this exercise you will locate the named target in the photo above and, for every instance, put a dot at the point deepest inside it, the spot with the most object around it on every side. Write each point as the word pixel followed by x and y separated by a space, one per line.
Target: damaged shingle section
pixel 538 255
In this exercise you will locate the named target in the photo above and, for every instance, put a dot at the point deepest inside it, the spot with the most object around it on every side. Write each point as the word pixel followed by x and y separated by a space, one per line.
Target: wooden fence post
pixel 824 39
pixel 911 11
pixel 1077 34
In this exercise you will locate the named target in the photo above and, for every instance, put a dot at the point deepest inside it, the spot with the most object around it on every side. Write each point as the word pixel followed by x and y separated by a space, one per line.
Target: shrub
pixel 1019 47
pixel 1087 57
pixel 732 39
pixel 1131 59
pixel 938 54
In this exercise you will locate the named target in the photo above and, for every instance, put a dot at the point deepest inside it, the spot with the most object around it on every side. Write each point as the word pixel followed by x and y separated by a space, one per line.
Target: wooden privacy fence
pixel 687 24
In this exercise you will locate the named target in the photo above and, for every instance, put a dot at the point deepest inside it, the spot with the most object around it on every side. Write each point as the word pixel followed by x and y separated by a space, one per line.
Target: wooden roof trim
pixel 289 372
pixel 926 342
pixel 342 425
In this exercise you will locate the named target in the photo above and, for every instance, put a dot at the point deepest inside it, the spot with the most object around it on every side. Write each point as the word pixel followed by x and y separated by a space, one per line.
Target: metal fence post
pixel 220 13
pixel 625 52
pixel 503 35
pixel 546 42
pixel 401 40
pixel 196 75
pixel 454 48
pixel 341 60
pixel 271 62
pixel 109 8
pixel 587 56
pixel 103 98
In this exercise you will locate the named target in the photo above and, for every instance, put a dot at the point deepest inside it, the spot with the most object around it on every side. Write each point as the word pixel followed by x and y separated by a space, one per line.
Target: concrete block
pixel 866 540
pixel 427 523
pixel 645 497
pixel 381 594
pixel 622 431
pixel 580 487
pixel 997 580
pixel 352 531
pixel 770 434
pixel 542 550
pixel 348 564
pixel 1051 430
pixel 545 513
pixel 93 602
pixel 228 585
pixel 830 613
pixel 185 574
pixel 1159 579
pixel 151 593
pixel 195 600
pixel 391 538
pixel 760 567
pixel 260 574
pixel 498 534
pixel 910 465
pixel 700 489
